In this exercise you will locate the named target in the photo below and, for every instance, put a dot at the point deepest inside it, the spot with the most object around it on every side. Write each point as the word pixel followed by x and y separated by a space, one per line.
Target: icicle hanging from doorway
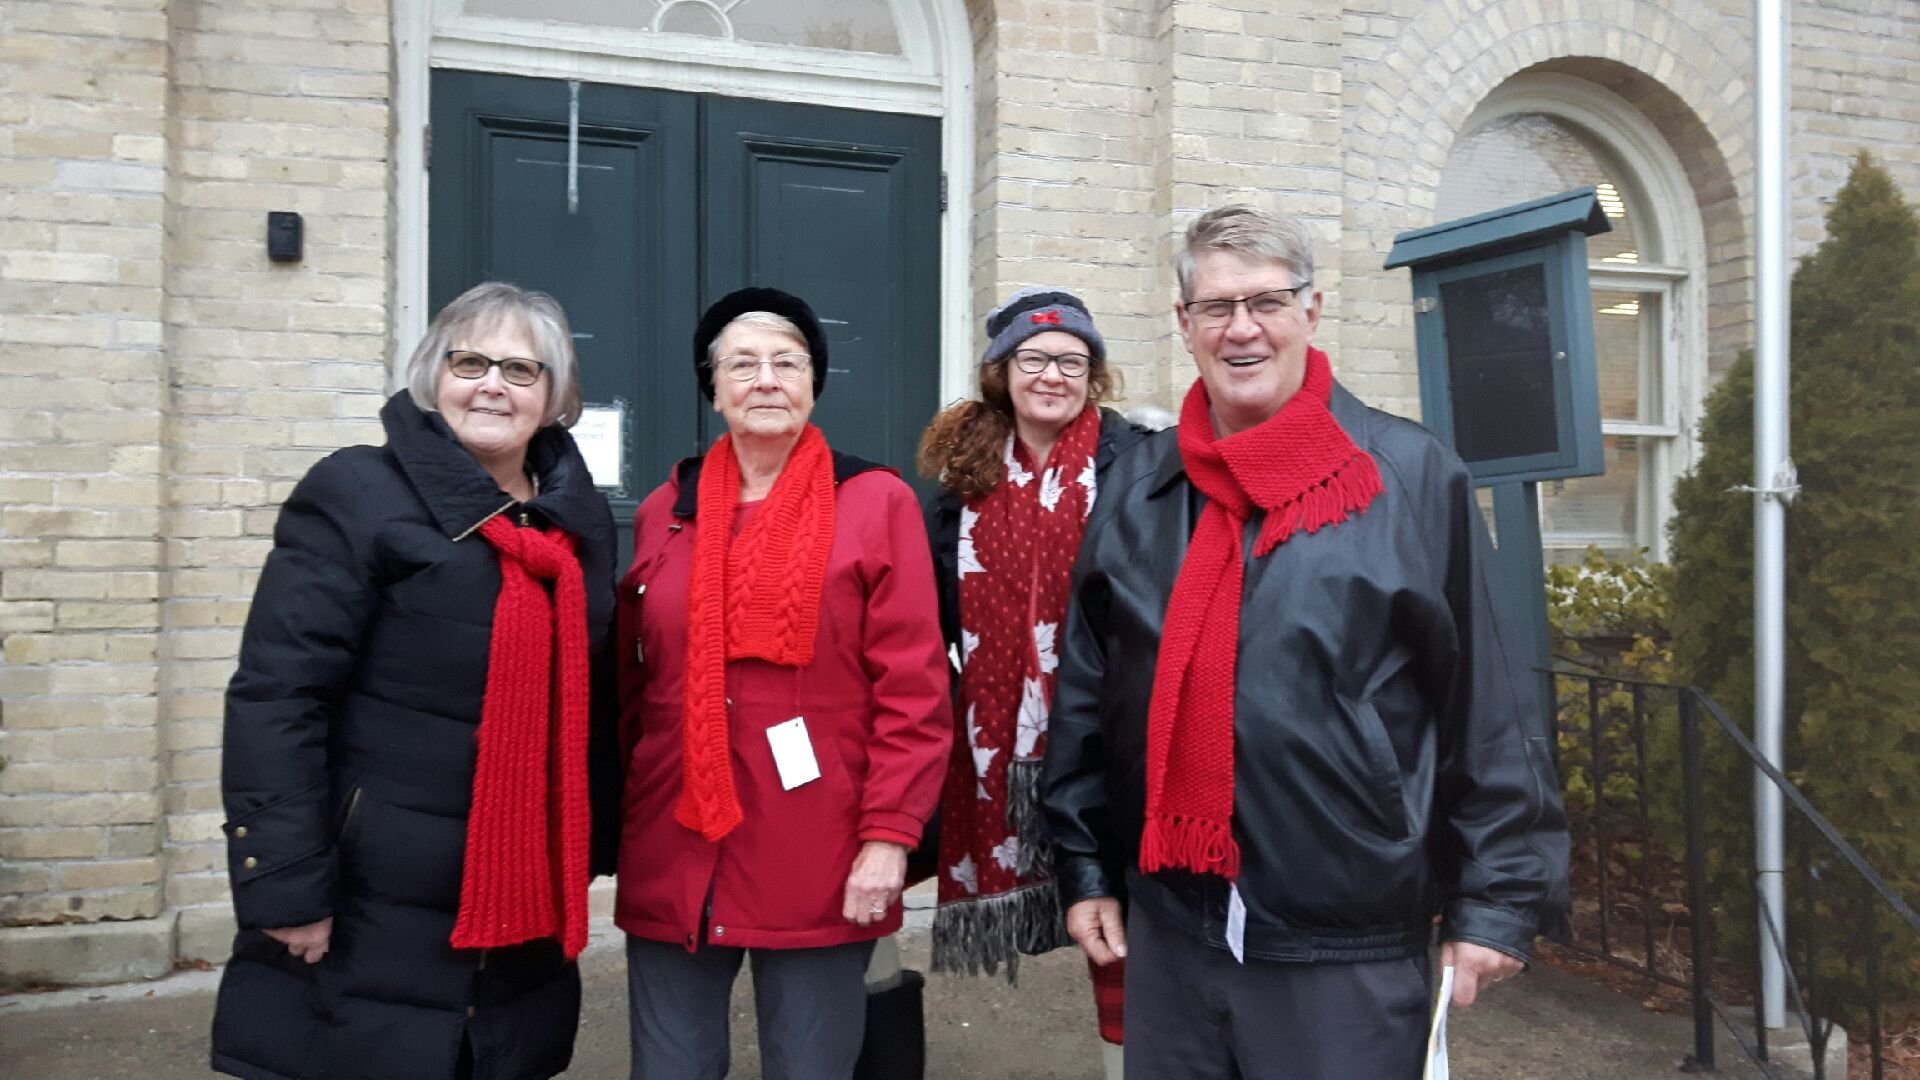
pixel 573 146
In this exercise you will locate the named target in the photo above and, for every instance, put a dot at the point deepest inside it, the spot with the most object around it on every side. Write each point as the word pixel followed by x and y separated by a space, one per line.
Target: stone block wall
pixel 163 386
pixel 1107 126
pixel 277 105
pixel 83 213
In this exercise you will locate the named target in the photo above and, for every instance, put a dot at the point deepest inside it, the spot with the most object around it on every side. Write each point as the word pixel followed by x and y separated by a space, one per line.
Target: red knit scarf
pixel 525 873
pixel 755 596
pixel 1017 546
pixel 1303 472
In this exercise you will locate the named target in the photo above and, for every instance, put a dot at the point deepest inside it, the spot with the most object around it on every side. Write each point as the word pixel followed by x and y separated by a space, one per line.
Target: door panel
pixel 681 199
pixel 842 209
pixel 620 260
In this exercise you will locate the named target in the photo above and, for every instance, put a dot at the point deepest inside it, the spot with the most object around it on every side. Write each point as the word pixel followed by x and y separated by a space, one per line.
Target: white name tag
pixel 1236 924
pixel 793 753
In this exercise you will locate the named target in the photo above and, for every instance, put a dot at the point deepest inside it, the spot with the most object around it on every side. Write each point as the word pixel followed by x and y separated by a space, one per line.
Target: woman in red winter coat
pixel 784 694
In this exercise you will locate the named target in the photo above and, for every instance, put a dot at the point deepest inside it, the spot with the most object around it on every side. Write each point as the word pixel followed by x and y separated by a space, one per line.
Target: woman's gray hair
pixel 1253 234
pixel 765 319
pixel 484 308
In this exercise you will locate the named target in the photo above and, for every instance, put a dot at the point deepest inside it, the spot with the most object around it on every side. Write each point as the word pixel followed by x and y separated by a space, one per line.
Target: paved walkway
pixel 1547 1024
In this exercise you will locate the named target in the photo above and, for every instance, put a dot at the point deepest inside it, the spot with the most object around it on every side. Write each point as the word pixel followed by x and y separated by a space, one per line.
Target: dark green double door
pixel 677 199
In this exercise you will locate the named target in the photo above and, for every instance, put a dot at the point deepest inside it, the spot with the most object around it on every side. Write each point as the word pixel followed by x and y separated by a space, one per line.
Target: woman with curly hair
pixel 1019 470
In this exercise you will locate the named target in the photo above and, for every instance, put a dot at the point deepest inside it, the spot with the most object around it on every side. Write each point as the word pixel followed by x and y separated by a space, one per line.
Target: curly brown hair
pixel 965 446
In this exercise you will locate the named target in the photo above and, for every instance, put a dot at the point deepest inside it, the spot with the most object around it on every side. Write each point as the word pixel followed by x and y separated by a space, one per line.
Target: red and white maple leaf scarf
pixel 1017 547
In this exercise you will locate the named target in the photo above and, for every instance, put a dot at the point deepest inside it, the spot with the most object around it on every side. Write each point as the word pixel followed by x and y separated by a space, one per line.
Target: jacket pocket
pixel 1384 787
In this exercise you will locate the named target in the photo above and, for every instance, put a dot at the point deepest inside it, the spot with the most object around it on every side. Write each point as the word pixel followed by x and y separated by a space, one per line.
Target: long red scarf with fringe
pixel 1017 546
pixel 1303 472
pixel 756 595
pixel 525 872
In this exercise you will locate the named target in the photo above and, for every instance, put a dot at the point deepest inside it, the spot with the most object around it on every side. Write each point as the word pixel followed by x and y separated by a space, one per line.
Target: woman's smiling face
pixel 490 416
pixel 1046 399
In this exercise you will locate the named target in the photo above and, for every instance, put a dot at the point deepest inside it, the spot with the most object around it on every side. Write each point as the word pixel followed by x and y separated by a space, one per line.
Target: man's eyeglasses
pixel 517 370
pixel 1261 307
pixel 1033 362
pixel 786 367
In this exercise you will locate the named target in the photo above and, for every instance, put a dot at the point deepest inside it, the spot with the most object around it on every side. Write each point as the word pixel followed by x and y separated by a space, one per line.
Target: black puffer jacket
pixel 1384 770
pixel 349 761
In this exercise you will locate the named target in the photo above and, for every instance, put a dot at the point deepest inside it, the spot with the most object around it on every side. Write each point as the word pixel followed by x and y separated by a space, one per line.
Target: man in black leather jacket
pixel 1289 809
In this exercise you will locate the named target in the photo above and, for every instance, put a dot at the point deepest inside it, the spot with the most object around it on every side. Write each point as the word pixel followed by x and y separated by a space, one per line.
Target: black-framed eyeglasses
pixel 1261 306
pixel 786 366
pixel 518 370
pixel 1033 362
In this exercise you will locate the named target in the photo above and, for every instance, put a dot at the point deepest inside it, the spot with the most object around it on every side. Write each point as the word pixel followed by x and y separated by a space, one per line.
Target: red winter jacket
pixel 876 708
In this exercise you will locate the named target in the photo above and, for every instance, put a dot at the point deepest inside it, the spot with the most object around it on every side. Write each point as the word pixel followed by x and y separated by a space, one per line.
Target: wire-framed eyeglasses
pixel 518 370
pixel 1261 306
pixel 786 366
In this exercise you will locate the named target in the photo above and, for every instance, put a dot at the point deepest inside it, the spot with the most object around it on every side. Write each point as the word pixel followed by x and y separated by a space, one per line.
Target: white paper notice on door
pixel 1437 1034
pixel 599 434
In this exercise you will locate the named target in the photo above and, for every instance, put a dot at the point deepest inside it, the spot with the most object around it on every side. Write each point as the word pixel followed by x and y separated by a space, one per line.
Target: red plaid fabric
pixel 1109 999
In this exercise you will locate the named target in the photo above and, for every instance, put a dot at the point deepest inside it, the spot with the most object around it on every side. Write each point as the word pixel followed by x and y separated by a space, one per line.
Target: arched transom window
pixel 844 25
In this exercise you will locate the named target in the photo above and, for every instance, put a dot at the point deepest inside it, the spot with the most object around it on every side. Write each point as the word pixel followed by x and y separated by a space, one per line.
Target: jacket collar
pixel 457 490
pixel 1348 411
pixel 686 476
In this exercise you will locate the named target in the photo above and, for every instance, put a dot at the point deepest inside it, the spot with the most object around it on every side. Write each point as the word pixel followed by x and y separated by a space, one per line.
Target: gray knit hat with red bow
pixel 1036 311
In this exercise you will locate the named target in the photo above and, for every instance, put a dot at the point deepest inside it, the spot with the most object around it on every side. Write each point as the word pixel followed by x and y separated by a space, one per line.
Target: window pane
pixel 1626 343
pixel 624 14
pixel 692 19
pixel 1500 364
pixel 847 25
pixel 1600 510
pixel 1530 155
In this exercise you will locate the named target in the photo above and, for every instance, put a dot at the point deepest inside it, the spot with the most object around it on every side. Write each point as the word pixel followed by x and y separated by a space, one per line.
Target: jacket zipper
pixel 346 819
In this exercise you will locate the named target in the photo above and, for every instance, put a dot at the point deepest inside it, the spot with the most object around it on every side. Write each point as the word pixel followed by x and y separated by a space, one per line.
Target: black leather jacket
pixel 1385 768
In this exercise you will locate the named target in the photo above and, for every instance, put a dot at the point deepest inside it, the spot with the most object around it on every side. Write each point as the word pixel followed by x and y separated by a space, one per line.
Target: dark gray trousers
pixel 1195 1013
pixel 811 1005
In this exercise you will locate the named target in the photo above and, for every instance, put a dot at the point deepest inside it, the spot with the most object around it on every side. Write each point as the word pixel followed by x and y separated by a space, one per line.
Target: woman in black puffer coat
pixel 461 573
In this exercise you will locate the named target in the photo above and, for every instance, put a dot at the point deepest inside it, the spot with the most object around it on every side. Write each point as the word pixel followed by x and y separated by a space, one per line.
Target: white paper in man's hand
pixel 1437 1034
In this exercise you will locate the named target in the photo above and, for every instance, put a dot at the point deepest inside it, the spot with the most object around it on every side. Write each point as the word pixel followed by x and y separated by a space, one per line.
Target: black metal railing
pixel 1635 759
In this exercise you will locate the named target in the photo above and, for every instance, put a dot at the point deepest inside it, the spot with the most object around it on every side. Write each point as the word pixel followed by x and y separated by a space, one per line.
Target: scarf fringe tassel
pixel 1346 492
pixel 1023 816
pixel 980 935
pixel 1181 842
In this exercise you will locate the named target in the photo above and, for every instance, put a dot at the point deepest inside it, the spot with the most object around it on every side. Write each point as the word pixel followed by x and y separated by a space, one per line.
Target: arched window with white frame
pixel 1539 134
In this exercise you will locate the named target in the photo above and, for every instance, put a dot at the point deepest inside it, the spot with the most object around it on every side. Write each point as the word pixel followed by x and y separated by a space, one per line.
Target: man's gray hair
pixel 1253 234
pixel 484 308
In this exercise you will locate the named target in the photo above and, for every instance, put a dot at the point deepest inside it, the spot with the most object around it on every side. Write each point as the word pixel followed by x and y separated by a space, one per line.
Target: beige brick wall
pixel 278 105
pixel 1065 175
pixel 1106 127
pixel 83 88
pixel 164 385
